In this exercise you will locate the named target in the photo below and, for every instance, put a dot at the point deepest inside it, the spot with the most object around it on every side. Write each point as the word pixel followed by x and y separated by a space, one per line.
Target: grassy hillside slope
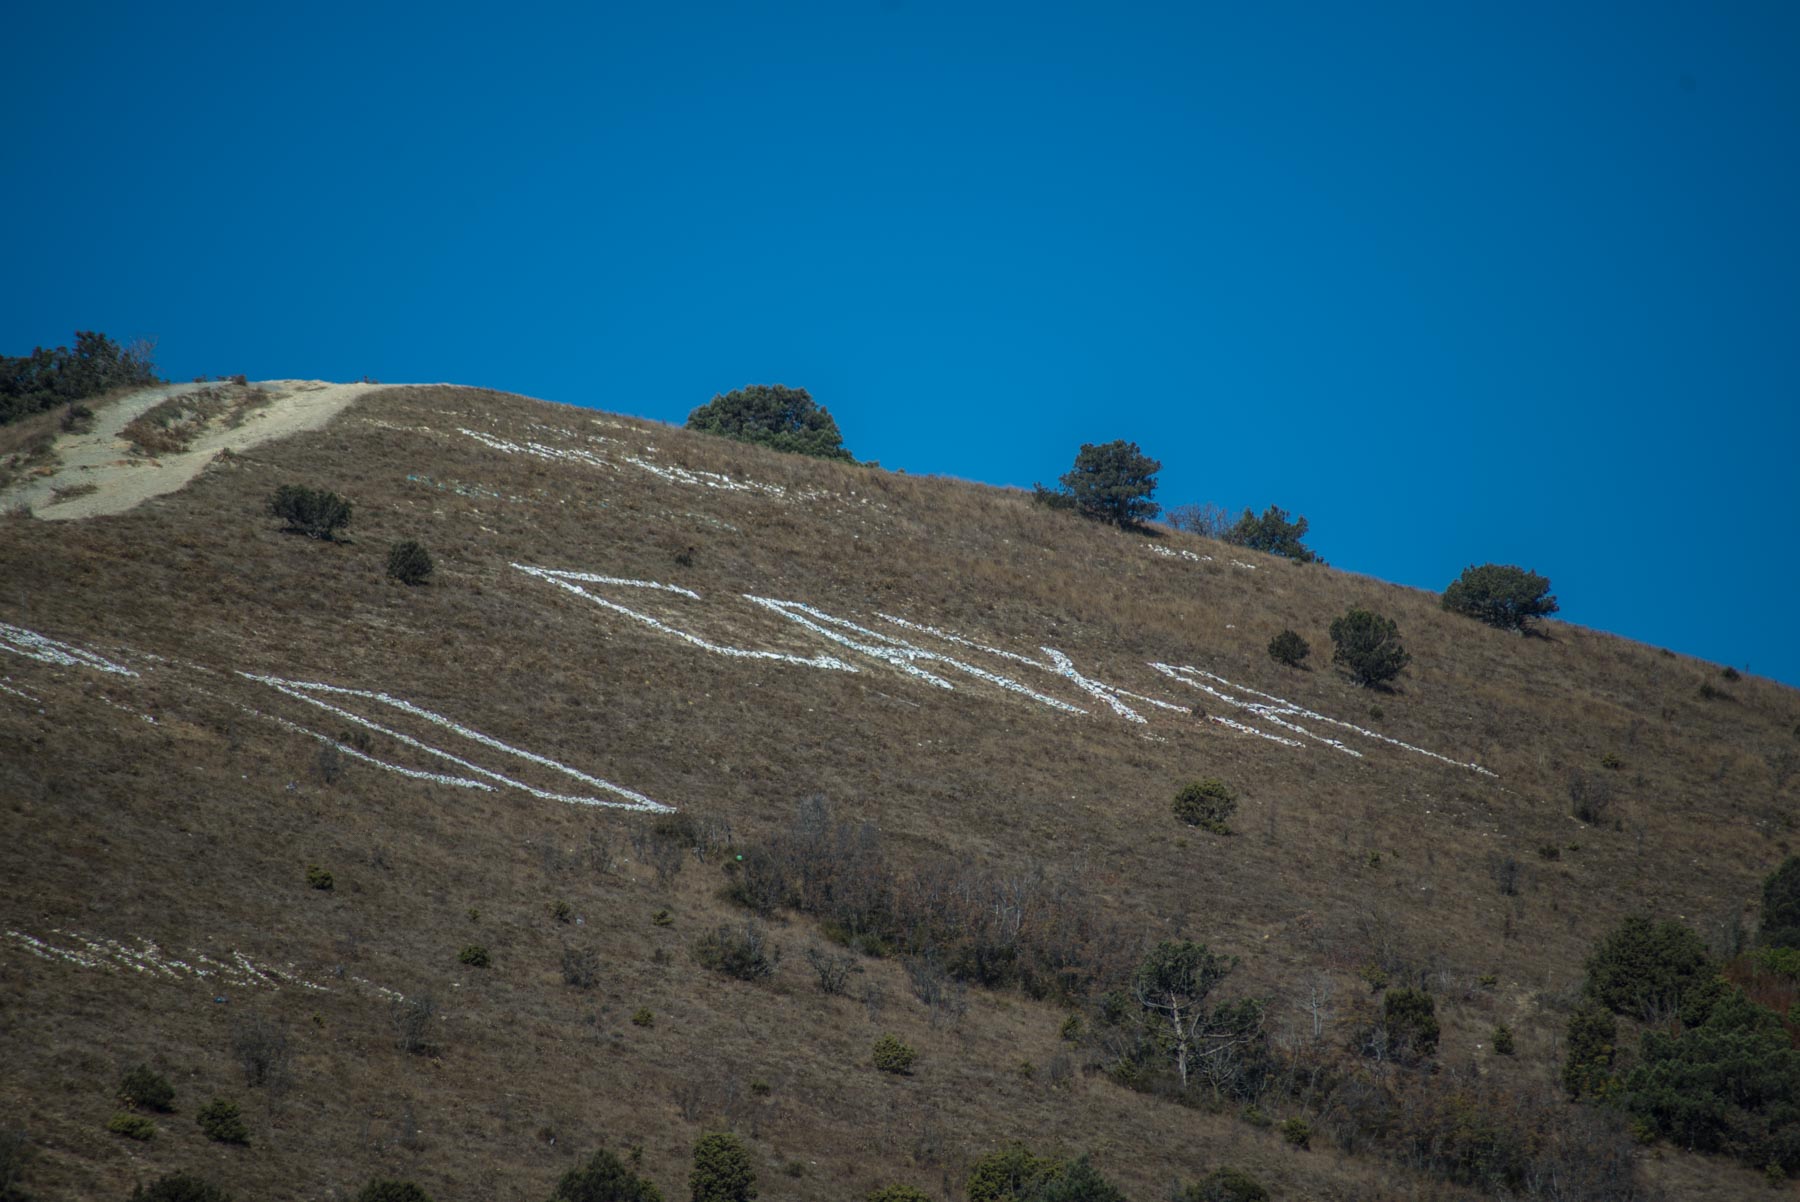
pixel 183 803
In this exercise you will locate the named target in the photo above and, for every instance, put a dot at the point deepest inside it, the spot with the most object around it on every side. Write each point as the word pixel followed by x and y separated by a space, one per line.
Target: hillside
pixel 640 639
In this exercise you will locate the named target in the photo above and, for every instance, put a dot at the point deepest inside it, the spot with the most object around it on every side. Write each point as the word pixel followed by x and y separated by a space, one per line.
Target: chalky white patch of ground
pixel 144 956
pixel 912 660
pixel 123 479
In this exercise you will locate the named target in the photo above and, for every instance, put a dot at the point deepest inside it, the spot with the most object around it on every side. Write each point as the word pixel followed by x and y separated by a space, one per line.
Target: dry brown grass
pixel 197 830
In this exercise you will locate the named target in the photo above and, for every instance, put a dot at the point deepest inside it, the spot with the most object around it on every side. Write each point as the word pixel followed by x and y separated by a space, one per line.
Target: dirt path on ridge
pixel 122 476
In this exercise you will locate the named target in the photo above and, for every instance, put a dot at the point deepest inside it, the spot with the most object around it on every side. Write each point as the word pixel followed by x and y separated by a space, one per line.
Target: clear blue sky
pixel 1459 282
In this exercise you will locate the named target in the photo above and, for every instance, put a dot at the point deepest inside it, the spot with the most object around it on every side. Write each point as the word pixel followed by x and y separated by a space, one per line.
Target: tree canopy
pixel 772 415
pixel 1368 646
pixel 1272 533
pixel 1781 906
pixel 47 378
pixel 1500 595
pixel 1112 482
pixel 604 1178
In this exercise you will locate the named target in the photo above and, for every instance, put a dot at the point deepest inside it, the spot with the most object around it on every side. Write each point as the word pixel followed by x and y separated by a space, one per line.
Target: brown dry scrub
pixel 187 830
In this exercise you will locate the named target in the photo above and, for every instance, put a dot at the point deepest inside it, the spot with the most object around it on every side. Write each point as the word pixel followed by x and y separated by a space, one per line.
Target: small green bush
pixel 1368 646
pixel 1778 961
pixel 409 562
pixel 1289 648
pixel 222 1123
pixel 180 1187
pixel 474 955
pixel 1652 971
pixel 1297 1132
pixel 1077 1181
pixel 899 1193
pixel 1226 1185
pixel 318 877
pixel 313 512
pixel 604 1178
pixel 1591 1046
pixel 1072 1029
pixel 1208 804
pixel 1009 1174
pixel 892 1056
pixel 741 950
pixel 722 1170
pixel 643 1017
pixel 1410 1019
pixel 1780 925
pixel 131 1126
pixel 1503 1040
pixel 147 1089
pixel 1500 595
pixel 383 1190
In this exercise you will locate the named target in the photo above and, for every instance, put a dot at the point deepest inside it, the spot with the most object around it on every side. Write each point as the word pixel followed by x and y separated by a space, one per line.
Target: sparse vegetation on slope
pixel 996 859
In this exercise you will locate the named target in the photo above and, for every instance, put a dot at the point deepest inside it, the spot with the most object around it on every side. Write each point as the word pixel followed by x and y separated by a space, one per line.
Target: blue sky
pixel 1460 283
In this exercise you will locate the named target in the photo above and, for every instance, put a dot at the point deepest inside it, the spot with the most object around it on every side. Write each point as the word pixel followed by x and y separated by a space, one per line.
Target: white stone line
pixel 45 650
pixel 1193 557
pixel 590 578
pixel 1289 707
pixel 899 653
pixel 1059 664
pixel 1251 730
pixel 935 633
pixel 826 662
pixel 6 688
pixel 1275 714
pixel 393 995
pixel 436 778
pixel 303 690
pixel 669 472
pixel 682 475
pixel 127 709
pixel 541 450
pixel 1177 553
pixel 39 948
pixel 111 955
